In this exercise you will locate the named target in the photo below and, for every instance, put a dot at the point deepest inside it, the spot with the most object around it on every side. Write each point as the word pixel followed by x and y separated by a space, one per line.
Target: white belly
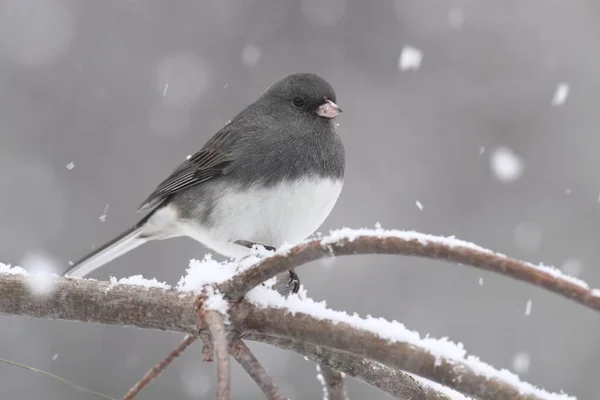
pixel 286 213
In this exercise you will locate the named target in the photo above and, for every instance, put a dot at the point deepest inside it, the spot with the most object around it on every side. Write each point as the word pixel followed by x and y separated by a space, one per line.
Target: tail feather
pixel 120 245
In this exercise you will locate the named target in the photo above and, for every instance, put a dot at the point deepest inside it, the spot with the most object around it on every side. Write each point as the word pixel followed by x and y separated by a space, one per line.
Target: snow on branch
pixel 374 350
pixel 347 241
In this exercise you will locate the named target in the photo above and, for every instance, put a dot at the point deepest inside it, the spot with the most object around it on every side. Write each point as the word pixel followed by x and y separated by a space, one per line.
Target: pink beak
pixel 328 109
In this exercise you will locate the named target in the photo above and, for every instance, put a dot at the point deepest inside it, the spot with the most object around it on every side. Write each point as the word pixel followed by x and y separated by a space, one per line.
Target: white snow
pixel 43 272
pixel 453 394
pixel 451 241
pixel 528 308
pixel 321 380
pixel 410 58
pixel 55 356
pixel 419 205
pixel 103 216
pixel 138 280
pixel 10 270
pixel 394 332
pixel 200 274
pixel 560 94
pixel 215 301
pixel 70 165
pixel 521 362
pixel 480 281
pixel 572 266
pixel 481 150
pixel 506 165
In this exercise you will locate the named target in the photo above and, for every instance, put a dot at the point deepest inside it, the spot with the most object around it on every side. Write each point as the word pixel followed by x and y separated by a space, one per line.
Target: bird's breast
pixel 286 212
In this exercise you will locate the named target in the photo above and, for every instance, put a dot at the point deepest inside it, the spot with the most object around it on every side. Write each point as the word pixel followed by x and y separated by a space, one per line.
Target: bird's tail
pixel 120 245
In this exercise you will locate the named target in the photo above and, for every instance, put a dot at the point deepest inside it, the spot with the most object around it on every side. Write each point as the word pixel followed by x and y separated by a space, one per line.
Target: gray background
pixel 83 81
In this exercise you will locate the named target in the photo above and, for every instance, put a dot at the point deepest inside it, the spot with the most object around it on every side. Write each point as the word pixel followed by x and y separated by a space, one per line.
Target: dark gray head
pixel 303 93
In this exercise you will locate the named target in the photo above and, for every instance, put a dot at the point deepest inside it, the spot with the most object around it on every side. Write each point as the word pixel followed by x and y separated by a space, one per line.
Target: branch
pixel 398 350
pixel 159 368
pixel 252 366
pixel 208 349
pixel 365 241
pixel 221 345
pixel 394 383
pixel 332 381
pixel 388 343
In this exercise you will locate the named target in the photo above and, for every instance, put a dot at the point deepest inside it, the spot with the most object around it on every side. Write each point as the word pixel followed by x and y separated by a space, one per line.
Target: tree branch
pixel 121 304
pixel 348 242
pixel 252 366
pixel 395 383
pixel 221 345
pixel 332 381
pixel 462 375
pixel 159 368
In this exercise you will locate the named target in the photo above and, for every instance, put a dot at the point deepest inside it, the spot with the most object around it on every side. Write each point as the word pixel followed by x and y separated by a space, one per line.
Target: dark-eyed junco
pixel 270 176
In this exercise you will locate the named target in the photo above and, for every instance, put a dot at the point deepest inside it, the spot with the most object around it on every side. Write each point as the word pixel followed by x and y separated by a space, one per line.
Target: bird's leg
pixel 249 244
pixel 294 279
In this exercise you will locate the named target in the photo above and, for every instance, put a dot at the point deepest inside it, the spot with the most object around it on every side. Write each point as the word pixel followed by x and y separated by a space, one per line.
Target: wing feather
pixel 206 164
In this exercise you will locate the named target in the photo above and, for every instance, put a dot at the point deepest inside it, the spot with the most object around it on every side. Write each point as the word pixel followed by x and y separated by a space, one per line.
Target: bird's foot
pixel 293 281
pixel 249 244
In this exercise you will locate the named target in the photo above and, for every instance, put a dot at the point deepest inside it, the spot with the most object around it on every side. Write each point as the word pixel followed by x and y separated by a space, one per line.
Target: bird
pixel 270 176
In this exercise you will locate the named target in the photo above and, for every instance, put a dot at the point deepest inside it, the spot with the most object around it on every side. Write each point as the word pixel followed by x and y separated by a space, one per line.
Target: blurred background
pixel 467 118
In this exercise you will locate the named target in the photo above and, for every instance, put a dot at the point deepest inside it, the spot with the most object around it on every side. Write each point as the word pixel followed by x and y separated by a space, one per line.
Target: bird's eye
pixel 298 101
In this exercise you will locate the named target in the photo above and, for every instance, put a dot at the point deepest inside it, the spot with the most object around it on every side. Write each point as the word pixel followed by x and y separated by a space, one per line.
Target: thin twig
pixel 221 344
pixel 395 383
pixel 250 363
pixel 208 350
pixel 333 382
pixel 56 377
pixel 160 367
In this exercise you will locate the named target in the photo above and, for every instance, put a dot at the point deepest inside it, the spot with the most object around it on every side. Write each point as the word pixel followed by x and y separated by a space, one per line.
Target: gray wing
pixel 206 164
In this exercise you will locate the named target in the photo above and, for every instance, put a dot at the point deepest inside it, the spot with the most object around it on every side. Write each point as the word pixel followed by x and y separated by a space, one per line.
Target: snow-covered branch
pixel 373 350
pixel 378 241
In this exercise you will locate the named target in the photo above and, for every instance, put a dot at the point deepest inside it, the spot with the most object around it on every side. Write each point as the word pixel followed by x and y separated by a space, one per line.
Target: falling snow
pixel 43 271
pixel 521 362
pixel 560 94
pixel 572 266
pixel 419 205
pixel 102 217
pixel 70 165
pixel 506 165
pixel 410 58
pixel 528 308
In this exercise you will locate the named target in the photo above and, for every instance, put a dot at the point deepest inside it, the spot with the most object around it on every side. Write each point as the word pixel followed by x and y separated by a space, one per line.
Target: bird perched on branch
pixel 270 176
